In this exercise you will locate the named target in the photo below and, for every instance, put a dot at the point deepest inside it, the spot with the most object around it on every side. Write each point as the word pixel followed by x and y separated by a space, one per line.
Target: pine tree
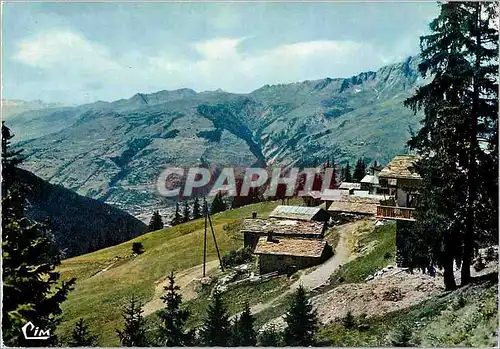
pixel 134 332
pixel 301 320
pixel 460 105
pixel 346 173
pixel 243 332
pixel 216 328
pixel 186 213
pixel 177 216
pixel 359 170
pixel 31 288
pixel 196 209
pixel 172 331
pixel 156 222
pixel 82 337
pixel 218 204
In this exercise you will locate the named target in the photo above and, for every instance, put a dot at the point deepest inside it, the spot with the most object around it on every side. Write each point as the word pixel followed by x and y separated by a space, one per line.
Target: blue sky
pixel 83 52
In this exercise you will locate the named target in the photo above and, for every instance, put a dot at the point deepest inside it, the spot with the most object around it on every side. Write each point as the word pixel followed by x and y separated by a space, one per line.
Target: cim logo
pixel 31 331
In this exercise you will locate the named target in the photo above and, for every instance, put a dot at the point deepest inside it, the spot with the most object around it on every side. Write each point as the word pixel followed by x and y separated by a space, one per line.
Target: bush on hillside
pixel 137 248
pixel 237 257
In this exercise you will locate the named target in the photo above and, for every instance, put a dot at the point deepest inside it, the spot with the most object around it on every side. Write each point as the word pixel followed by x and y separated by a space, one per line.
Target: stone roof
pixel 281 226
pixel 295 212
pixel 402 166
pixel 355 204
pixel 290 247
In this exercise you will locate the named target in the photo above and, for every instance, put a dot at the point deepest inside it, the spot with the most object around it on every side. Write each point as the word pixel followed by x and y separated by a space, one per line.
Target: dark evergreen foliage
pixel 216 328
pixel 177 216
pixel 218 204
pixel 156 222
pixel 196 209
pixel 243 332
pixel 137 248
pixel 458 206
pixel 186 214
pixel 301 320
pixel 172 330
pixel 134 331
pixel 82 337
pixel 31 290
pixel 359 170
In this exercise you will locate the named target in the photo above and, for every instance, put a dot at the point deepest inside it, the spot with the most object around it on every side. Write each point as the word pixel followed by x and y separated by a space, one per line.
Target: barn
pixel 287 255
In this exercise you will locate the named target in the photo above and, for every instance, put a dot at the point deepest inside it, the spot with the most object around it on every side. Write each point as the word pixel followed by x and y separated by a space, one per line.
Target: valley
pixel 114 151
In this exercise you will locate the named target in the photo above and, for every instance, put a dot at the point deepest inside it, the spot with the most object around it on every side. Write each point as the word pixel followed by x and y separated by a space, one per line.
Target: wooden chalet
pixel 400 177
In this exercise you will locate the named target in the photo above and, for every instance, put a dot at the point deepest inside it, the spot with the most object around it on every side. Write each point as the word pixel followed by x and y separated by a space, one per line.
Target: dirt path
pixel 186 280
pixel 321 274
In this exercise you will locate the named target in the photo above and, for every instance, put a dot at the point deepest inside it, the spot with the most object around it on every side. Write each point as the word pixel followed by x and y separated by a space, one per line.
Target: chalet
pixel 313 198
pixel 300 213
pixel 354 204
pixel 287 255
pixel 402 181
pixel 350 187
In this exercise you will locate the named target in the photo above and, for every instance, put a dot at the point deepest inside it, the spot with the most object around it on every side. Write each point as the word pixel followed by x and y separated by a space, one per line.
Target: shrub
pixel 348 320
pixel 402 337
pixel 137 248
pixel 237 257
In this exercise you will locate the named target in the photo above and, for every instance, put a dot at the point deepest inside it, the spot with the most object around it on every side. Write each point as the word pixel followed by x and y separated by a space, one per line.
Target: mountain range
pixel 114 151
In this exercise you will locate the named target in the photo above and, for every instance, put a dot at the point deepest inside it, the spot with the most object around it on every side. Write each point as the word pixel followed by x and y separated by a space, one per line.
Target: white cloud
pixel 77 64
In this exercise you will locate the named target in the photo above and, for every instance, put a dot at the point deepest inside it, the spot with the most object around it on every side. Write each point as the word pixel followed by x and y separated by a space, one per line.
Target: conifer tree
pixel 216 328
pixel 196 209
pixel 359 170
pixel 186 213
pixel 218 204
pixel 177 216
pixel 134 331
pixel 244 328
pixel 31 288
pixel 346 173
pixel 156 222
pixel 460 105
pixel 172 331
pixel 82 337
pixel 301 320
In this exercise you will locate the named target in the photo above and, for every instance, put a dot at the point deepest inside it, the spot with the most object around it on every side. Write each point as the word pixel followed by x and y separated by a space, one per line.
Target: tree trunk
pixel 448 275
pixel 471 175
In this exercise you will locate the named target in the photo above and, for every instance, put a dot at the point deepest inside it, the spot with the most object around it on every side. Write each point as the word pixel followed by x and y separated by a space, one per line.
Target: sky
pixel 76 53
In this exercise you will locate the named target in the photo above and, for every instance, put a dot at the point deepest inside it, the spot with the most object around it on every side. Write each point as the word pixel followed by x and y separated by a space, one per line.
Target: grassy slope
pixel 98 296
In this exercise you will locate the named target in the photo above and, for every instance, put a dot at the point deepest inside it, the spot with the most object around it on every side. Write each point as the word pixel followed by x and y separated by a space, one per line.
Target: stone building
pixel 287 255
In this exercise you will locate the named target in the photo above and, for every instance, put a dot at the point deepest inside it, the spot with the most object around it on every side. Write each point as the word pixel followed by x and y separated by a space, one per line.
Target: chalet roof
pixel 370 179
pixel 355 204
pixel 282 226
pixel 290 247
pixel 349 185
pixel 295 212
pixel 316 194
pixel 402 166
pixel 331 194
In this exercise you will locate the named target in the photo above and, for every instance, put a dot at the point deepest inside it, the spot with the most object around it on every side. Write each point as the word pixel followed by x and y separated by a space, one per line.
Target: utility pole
pixel 207 217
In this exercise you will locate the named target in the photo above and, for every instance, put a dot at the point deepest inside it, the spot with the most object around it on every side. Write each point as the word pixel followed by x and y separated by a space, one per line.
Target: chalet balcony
pixel 395 213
